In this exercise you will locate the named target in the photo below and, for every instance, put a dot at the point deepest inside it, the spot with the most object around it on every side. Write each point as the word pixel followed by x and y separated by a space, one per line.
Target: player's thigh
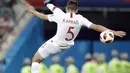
pixel 37 56
pixel 48 48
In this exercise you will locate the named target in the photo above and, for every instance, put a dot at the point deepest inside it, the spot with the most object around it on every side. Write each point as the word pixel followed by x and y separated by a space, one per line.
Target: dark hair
pixel 72 5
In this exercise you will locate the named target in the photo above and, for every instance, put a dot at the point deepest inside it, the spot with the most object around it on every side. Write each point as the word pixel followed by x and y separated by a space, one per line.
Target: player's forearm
pixel 100 28
pixel 40 15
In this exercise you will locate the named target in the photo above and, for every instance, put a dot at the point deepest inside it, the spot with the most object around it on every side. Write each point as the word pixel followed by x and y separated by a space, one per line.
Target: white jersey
pixel 67 27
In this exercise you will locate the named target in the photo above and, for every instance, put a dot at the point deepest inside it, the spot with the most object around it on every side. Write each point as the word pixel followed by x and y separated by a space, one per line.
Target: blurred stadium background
pixel 25 33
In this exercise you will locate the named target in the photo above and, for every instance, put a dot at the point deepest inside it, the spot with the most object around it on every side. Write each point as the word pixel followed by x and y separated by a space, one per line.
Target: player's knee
pixel 37 58
pixel 34 59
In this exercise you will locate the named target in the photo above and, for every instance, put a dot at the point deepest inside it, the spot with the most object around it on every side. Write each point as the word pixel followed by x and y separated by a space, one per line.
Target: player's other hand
pixel 120 33
pixel 30 8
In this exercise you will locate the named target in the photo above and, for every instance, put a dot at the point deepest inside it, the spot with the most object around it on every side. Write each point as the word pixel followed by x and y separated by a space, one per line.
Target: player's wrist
pixel 114 32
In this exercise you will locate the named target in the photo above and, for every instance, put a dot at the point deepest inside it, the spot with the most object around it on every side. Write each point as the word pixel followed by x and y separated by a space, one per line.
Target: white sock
pixel 35 67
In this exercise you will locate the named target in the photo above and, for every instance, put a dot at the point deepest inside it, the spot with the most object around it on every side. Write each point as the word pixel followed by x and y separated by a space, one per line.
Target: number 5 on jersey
pixel 71 33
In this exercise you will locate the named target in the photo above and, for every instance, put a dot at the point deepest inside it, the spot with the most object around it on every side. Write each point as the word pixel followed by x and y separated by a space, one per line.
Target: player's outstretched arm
pixel 38 14
pixel 101 28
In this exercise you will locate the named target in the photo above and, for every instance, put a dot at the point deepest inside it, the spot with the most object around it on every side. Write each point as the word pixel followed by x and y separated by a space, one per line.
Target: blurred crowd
pixel 94 64
pixel 7 16
pixel 7 21
pixel 8 3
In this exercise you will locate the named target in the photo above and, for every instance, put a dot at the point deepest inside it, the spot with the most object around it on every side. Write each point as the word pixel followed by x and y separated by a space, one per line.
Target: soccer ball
pixel 107 37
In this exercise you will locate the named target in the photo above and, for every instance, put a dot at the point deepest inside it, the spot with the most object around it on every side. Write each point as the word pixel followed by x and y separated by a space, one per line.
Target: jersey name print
pixel 70 21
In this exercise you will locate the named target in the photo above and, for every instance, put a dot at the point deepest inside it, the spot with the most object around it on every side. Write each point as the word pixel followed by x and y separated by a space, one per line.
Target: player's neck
pixel 71 12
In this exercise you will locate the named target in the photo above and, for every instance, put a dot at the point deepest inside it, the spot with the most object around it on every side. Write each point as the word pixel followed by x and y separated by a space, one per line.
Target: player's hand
pixel 46 1
pixel 120 33
pixel 30 8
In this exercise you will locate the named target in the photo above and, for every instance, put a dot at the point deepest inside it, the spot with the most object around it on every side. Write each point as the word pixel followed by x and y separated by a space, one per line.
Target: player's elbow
pixel 44 17
pixel 98 27
pixel 95 27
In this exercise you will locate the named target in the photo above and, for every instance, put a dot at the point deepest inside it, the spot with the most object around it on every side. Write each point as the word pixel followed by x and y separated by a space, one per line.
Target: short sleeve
pixel 86 22
pixel 55 9
pixel 52 18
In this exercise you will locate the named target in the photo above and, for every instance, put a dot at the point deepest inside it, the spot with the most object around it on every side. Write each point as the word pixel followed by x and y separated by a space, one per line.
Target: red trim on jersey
pixel 54 8
pixel 71 15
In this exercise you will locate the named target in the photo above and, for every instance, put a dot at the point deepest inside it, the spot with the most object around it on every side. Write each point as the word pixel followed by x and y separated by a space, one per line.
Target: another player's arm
pixel 38 14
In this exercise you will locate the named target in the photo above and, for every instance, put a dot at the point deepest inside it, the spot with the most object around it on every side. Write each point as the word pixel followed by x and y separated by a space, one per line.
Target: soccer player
pixel 56 67
pixel 71 67
pixel 90 66
pixel 115 63
pixel 68 27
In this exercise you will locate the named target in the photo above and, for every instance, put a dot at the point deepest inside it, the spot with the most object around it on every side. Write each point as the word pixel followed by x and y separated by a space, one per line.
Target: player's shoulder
pixel 79 15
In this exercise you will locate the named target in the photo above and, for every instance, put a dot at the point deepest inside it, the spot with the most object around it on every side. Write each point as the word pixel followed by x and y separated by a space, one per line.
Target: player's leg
pixel 43 52
pixel 36 62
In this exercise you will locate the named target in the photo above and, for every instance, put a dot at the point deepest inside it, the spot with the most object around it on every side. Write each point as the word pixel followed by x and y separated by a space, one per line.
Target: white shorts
pixel 50 47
